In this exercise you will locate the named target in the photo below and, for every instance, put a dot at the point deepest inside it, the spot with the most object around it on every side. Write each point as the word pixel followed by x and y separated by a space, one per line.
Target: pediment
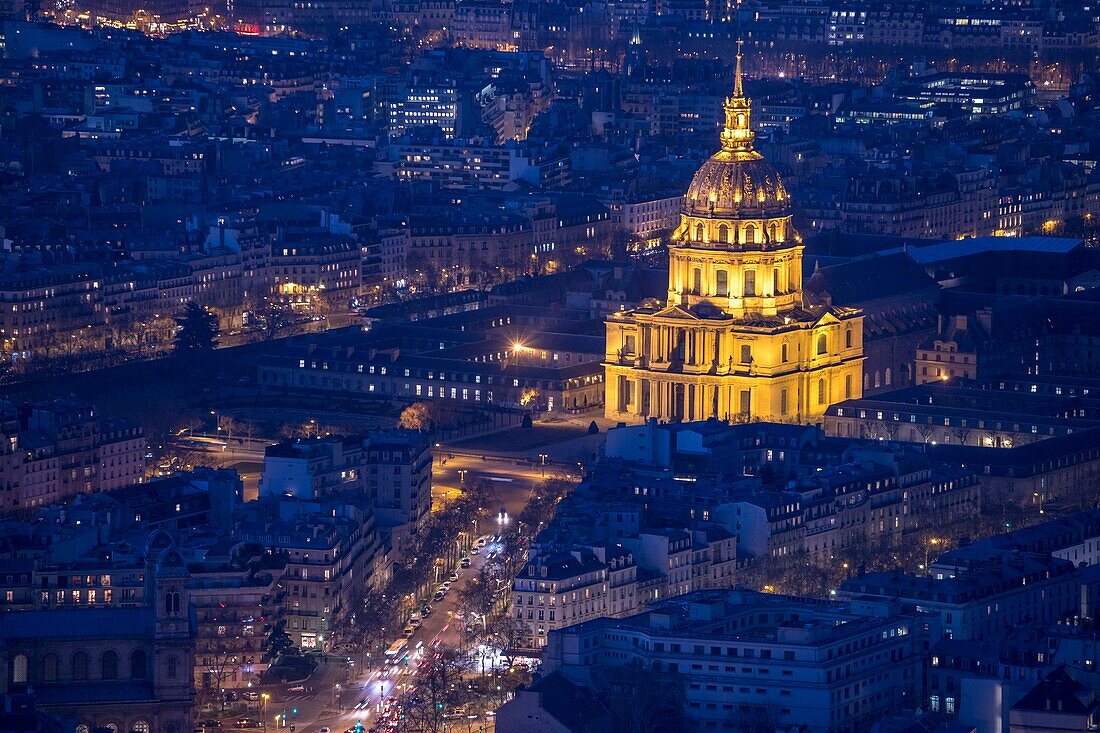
pixel 676 313
pixel 826 319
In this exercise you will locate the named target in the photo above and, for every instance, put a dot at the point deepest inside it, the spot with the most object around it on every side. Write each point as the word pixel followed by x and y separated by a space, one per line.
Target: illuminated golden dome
pixel 735 186
pixel 736 182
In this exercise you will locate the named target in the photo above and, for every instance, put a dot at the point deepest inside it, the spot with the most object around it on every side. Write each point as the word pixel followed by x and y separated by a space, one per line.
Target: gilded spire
pixel 737 135
pixel 737 90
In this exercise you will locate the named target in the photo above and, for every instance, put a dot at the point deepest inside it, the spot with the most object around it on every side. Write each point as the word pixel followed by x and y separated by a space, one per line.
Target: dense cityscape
pixel 549 366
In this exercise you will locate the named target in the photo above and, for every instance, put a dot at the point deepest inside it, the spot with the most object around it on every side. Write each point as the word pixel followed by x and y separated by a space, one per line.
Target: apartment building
pixel 742 656
pixel 393 468
pixel 981 596
pixel 58 449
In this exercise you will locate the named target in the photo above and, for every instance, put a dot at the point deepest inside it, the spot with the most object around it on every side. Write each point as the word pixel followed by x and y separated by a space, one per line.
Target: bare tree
pixel 272 317
pixel 749 718
pixel 217 661
pixel 507 634
pixel 642 700
pixel 230 425
pixel 366 625
pixel 438 692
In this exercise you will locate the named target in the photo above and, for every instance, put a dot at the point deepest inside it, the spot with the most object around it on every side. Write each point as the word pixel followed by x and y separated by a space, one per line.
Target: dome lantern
pixel 737 135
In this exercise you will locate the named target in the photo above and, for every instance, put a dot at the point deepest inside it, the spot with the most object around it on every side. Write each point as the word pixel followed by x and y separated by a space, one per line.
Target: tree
pixel 366 625
pixel 750 718
pixel 528 396
pixel 220 660
pixel 507 634
pixel 230 425
pixel 436 695
pixel 477 596
pixel 271 318
pixel 197 332
pixel 417 416
pixel 279 641
pixel 642 700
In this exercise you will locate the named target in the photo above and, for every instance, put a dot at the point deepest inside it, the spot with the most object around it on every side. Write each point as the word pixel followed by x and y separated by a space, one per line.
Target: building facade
pixel 743 658
pixel 737 338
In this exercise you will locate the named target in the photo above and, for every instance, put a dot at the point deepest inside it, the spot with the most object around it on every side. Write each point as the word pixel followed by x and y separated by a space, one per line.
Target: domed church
pixel 737 338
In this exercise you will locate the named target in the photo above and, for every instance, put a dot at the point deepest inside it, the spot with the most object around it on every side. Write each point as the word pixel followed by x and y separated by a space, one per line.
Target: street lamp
pixel 265 697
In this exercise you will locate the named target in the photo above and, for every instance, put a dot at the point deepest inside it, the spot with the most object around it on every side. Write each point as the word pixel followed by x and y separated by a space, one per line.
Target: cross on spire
pixel 737 89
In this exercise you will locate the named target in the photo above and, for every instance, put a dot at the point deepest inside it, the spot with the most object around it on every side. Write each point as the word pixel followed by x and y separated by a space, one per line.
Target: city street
pixel 515 479
pixel 337 696
pixel 333 694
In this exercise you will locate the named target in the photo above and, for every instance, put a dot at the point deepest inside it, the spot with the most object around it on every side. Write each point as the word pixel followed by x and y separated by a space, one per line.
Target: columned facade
pixel 736 338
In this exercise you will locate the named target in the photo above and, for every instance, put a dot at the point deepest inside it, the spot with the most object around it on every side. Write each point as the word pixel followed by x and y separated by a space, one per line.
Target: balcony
pixel 632 360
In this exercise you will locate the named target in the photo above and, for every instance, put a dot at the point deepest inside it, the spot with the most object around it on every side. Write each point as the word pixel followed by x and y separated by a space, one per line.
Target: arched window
pixel 110 666
pixel 721 283
pixel 697 281
pixel 847 386
pixel 173 667
pixel 140 726
pixel 750 283
pixel 172 603
pixel 698 232
pixel 740 122
pixel 822 344
pixel 877 382
pixel 848 338
pixel 723 233
pixel 20 668
pixel 783 357
pixel 113 727
pixel 82 728
pixel 775 281
pixel 138 665
pixel 49 667
pixel 773 232
pixel 888 376
pixel 750 234
pixel 80 666
pixel 821 391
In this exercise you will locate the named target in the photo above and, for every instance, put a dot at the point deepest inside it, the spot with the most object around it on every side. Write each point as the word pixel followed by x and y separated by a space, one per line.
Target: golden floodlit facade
pixel 737 338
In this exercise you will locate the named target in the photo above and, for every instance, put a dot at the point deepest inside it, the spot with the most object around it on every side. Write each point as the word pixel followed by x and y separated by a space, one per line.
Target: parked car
pixel 409 631
pixel 454 576
pixel 297 688
pixel 466 562
pixel 438 596
pixel 427 611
